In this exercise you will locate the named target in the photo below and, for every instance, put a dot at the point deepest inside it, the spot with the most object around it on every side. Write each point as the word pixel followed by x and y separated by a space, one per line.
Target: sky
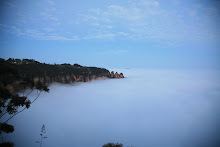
pixel 113 33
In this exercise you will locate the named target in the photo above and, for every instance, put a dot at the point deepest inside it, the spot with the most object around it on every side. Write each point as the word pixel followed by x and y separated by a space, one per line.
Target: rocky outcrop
pixel 116 75
pixel 121 75
pixel 17 77
pixel 112 74
pixel 69 79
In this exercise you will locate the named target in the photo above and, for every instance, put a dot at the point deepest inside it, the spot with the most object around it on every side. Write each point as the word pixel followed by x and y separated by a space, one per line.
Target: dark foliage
pixel 2 60
pixel 7 144
pixel 6 128
pixel 77 65
pixel 112 145
pixel 13 104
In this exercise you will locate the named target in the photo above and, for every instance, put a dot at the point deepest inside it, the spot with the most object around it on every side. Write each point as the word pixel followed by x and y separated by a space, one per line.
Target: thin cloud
pixel 136 20
pixel 10 4
pixel 113 52
pixel 11 29
pixel 49 16
pixel 100 36
pixel 147 20
pixel 51 2
pixel 49 29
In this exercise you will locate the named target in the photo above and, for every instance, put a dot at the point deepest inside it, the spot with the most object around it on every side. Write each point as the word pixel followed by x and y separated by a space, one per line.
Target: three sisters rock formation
pixel 116 75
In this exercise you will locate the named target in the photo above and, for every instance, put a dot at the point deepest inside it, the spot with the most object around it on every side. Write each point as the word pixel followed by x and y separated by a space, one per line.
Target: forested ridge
pixel 17 74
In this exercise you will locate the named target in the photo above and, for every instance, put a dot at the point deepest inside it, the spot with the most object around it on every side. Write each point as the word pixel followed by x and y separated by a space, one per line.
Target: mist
pixel 150 107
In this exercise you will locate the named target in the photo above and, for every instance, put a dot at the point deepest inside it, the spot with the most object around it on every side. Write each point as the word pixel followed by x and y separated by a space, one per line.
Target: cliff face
pixel 69 79
pixel 16 77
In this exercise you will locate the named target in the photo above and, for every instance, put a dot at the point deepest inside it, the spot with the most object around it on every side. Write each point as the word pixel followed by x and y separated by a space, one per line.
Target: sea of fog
pixel 148 108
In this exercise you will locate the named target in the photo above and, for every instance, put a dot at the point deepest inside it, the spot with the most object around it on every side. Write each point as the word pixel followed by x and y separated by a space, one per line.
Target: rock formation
pixel 116 75
pixel 121 75
pixel 112 74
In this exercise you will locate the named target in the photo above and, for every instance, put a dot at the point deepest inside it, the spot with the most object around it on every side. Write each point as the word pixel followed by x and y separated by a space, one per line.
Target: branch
pixel 23 108
pixel 29 92
pixel 36 97
pixel 4 110
pixel 3 114
pixel 14 115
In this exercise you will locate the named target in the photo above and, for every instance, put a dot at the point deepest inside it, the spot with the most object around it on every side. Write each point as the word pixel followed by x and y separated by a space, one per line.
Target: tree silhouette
pixel 13 104
pixel 113 145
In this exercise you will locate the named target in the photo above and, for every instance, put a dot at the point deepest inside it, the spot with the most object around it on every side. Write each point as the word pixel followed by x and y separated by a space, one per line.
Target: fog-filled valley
pixel 57 88
pixel 150 107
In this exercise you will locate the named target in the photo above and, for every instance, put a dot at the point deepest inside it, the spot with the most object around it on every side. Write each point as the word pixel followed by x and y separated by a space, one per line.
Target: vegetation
pixel 42 134
pixel 15 71
pixel 12 103
pixel 112 145
pixel 7 144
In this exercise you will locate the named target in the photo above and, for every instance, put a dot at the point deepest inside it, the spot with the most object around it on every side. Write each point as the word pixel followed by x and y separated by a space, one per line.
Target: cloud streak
pixel 137 20
pixel 143 20
pixel 51 2
pixel 113 52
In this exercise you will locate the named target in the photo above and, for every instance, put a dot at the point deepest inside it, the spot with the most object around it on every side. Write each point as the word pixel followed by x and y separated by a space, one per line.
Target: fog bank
pixel 147 108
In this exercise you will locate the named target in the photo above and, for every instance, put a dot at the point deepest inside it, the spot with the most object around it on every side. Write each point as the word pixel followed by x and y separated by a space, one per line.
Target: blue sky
pixel 113 33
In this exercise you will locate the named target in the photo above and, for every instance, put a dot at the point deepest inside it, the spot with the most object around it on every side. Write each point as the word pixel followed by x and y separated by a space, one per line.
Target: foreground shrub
pixel 112 145
pixel 7 144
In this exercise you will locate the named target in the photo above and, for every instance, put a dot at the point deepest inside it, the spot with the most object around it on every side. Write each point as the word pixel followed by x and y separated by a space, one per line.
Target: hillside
pixel 16 74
